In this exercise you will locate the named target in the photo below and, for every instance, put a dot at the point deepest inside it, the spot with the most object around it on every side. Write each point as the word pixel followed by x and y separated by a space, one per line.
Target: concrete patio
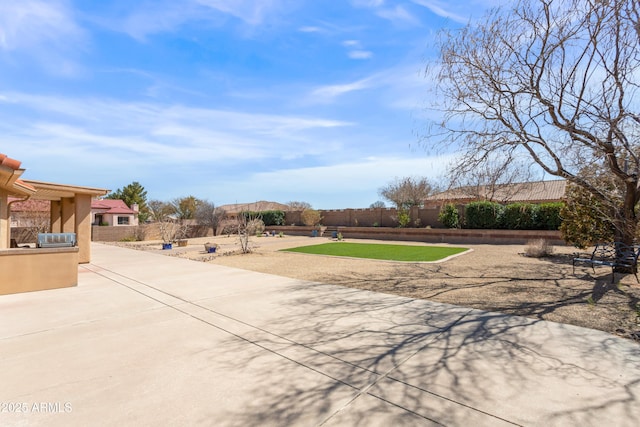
pixel 147 339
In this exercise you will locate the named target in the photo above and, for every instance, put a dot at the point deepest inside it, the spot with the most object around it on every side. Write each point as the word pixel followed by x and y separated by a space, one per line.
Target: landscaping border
pixel 432 235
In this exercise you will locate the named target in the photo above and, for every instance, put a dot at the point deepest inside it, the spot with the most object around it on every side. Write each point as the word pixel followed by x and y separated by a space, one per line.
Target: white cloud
pixel 329 93
pixel 360 54
pixel 367 3
pixel 158 131
pixel 250 11
pixel 355 50
pixel 399 16
pixel 358 181
pixel 363 174
pixel 351 43
pixel 168 15
pixel 27 24
pixel 400 87
pixel 442 9
pixel 43 30
pixel 310 29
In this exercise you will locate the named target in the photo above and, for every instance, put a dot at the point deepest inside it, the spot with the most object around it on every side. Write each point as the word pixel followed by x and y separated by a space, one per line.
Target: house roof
pixel 255 207
pixel 51 191
pixel 10 177
pixel 532 192
pixel 111 206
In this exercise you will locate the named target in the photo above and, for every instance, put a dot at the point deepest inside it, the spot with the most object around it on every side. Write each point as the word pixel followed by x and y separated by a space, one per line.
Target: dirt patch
pixel 490 277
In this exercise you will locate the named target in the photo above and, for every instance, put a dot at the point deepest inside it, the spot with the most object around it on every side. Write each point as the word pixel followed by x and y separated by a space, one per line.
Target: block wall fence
pixel 378 223
pixel 381 217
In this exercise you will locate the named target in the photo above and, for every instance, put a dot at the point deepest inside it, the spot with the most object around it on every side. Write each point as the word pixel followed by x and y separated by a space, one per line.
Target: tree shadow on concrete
pixel 546 290
pixel 346 357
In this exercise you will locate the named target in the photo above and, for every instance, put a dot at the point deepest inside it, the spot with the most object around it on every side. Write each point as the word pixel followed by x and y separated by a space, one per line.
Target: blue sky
pixel 226 100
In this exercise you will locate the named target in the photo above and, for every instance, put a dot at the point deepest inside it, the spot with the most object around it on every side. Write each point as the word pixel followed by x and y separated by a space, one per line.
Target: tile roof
pixel 111 206
pixel 13 166
pixel 537 191
pixel 9 162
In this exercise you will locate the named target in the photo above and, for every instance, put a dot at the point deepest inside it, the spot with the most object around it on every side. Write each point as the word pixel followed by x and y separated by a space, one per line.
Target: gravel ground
pixel 489 277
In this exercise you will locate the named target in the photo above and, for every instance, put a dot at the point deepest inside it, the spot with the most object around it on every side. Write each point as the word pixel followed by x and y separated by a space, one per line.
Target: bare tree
pixel 36 222
pixel 298 206
pixel 406 192
pixel 159 210
pixel 248 224
pixel 491 180
pixel 171 230
pixel 556 80
pixel 208 214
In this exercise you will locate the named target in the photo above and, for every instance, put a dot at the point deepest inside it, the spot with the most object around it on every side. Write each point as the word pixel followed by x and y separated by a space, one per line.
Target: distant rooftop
pixel 111 206
pixel 530 192
pixel 254 206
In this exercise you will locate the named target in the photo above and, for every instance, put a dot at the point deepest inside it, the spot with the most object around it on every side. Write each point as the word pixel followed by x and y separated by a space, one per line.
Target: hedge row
pixel 514 216
pixel 268 217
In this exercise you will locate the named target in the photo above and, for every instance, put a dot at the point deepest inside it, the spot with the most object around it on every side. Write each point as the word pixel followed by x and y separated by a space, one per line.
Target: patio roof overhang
pixel 70 204
pixel 57 192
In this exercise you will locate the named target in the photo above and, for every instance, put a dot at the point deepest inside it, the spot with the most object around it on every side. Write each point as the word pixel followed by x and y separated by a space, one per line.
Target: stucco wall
pixel 381 217
pixel 142 232
pixel 26 270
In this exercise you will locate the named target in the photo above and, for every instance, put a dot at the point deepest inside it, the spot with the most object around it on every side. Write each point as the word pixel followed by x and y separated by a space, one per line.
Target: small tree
pixel 407 192
pixel 185 207
pixel 310 217
pixel 159 210
pixel 207 214
pixel 449 216
pixel 248 224
pixel 585 219
pixel 377 205
pixel 131 194
pixel 171 230
pixel 298 206
pixel 403 217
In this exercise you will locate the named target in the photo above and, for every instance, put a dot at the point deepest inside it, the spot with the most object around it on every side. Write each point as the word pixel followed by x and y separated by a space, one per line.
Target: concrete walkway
pixel 151 340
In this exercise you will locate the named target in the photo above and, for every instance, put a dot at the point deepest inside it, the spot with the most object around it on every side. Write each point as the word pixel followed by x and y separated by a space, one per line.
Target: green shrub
pixel 403 218
pixel 519 216
pixel 548 216
pixel 449 216
pixel 273 217
pixel 268 217
pixel 585 219
pixel 483 214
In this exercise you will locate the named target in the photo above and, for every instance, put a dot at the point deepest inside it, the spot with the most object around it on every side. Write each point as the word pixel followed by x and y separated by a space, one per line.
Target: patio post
pixel 5 223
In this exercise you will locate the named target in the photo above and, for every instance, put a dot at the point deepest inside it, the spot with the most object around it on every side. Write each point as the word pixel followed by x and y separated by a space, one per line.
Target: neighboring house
pixel 113 212
pixel 525 192
pixel 30 213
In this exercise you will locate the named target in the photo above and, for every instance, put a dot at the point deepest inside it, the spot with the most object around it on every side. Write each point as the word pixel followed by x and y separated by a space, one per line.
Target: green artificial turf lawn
pixel 380 251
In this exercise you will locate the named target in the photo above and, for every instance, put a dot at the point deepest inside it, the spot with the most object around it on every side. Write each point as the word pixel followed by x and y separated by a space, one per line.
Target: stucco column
pixel 68 215
pixel 83 227
pixel 5 223
pixel 56 216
